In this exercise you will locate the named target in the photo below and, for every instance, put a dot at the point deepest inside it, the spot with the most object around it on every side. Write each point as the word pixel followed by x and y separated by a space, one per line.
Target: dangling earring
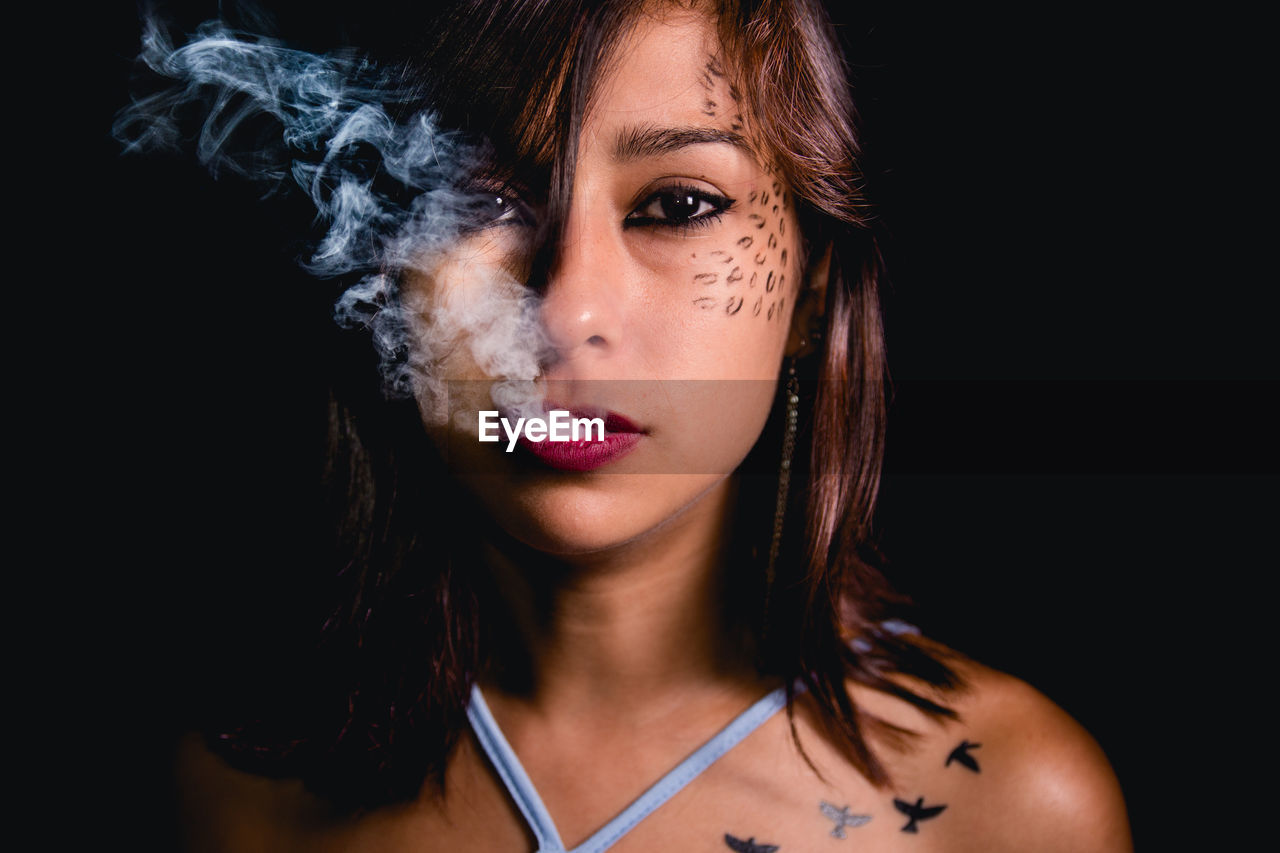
pixel 792 393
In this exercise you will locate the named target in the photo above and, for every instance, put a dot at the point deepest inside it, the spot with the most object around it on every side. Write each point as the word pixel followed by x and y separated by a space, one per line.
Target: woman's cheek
pixel 750 278
pixel 450 295
pixel 467 313
pixel 740 291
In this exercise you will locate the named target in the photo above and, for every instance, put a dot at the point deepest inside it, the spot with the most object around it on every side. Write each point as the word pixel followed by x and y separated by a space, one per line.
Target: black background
pixel 1081 463
pixel 1081 466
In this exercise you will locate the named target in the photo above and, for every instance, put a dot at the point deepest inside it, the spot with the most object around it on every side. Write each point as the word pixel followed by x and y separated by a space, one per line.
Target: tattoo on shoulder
pixel 748 846
pixel 961 754
pixel 916 811
pixel 843 818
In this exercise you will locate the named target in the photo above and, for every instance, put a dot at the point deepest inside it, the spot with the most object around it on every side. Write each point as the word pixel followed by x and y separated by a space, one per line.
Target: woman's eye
pixel 490 209
pixel 679 206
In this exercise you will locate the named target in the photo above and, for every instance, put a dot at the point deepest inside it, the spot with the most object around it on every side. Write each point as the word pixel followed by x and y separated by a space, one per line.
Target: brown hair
pixel 383 702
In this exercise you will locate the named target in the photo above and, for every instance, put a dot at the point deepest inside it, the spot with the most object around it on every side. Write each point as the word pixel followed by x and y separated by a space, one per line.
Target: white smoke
pixel 388 183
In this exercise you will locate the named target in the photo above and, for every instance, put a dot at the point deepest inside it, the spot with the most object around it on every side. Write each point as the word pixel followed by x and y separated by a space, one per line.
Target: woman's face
pixel 669 301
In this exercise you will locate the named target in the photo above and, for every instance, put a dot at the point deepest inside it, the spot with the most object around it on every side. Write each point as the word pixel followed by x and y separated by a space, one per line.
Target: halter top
pixel 526 798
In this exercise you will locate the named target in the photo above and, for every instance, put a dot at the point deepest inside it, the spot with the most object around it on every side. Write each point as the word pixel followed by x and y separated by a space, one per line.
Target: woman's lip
pixel 613 422
pixel 620 438
pixel 582 455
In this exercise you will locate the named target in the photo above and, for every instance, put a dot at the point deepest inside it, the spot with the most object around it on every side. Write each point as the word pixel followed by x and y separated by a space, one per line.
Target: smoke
pixel 392 191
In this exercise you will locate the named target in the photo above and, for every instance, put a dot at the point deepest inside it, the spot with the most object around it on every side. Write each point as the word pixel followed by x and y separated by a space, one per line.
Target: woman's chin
pixel 581 516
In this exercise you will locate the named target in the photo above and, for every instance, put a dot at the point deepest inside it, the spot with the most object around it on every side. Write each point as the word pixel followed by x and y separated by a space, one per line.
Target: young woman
pixel 668 638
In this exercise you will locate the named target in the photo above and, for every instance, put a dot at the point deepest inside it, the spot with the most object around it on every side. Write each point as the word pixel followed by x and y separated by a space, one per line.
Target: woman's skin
pixel 630 668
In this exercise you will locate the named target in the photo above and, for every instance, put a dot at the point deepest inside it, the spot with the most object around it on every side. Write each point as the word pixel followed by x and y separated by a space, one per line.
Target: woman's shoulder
pixel 1014 769
pixel 223 808
pixel 1056 788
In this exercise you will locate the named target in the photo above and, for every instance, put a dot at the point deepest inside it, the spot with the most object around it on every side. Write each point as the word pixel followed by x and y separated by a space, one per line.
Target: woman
pixel 541 636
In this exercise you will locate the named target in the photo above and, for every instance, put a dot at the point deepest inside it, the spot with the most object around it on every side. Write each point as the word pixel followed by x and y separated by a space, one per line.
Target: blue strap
pixel 504 760
pixel 535 813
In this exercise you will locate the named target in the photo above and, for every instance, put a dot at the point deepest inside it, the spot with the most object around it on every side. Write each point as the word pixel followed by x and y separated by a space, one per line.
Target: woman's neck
pixel 632 628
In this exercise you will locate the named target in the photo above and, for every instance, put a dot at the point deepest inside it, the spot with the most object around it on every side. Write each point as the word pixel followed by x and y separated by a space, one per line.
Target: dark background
pixel 1082 467
pixel 1081 457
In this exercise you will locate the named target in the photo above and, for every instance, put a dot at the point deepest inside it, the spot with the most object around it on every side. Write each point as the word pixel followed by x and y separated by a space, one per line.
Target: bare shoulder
pixel 223 808
pixel 1033 777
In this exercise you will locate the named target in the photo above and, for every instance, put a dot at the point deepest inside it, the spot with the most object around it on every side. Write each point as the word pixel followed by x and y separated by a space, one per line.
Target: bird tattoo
pixel 842 818
pixel 916 811
pixel 748 846
pixel 961 754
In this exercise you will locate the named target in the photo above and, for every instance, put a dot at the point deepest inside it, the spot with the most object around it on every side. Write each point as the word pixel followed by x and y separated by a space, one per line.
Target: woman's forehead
pixel 638 84
pixel 665 87
pixel 666 68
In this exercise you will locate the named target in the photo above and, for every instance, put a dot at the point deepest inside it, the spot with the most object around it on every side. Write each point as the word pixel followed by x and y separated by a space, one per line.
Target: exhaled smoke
pixel 389 184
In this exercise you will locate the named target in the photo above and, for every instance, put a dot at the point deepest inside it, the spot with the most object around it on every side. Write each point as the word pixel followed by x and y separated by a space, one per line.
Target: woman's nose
pixel 582 303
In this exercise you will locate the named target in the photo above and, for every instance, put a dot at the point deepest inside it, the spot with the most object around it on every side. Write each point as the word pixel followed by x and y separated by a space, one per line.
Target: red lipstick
pixel 621 435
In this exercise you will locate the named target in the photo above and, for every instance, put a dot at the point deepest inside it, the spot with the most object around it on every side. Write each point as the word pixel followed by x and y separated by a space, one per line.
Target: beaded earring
pixel 792 395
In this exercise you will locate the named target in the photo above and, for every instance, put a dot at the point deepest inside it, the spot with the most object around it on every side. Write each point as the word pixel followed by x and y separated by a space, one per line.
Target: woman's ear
pixel 806 320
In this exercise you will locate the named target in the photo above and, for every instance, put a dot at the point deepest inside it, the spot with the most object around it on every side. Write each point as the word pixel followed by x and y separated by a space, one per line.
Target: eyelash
pixel 514 212
pixel 719 204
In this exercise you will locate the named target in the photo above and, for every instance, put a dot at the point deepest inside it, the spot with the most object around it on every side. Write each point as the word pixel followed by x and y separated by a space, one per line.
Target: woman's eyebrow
pixel 637 142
